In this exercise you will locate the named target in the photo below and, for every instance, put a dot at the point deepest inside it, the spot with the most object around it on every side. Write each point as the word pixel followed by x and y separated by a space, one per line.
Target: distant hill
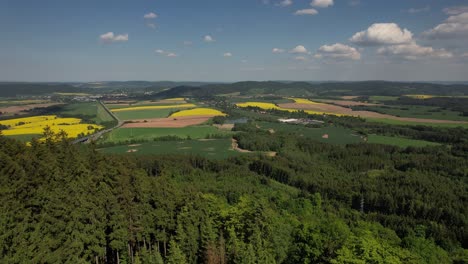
pixel 23 89
pixel 322 89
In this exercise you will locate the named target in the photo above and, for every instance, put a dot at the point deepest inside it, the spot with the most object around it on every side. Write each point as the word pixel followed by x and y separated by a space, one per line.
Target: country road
pixel 97 135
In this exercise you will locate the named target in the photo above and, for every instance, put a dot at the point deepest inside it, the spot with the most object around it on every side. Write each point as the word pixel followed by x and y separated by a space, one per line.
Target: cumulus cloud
pixel 110 37
pixel 322 3
pixel 455 10
pixel 413 51
pixel 455 26
pixel 150 15
pixel 299 49
pixel 338 51
pixel 382 34
pixel 285 3
pixel 166 53
pixel 208 38
pixel 277 50
pixel 227 54
pixel 304 12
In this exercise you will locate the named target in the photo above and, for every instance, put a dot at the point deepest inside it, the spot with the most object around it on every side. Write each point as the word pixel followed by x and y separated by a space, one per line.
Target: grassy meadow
pixel 399 141
pixel 216 148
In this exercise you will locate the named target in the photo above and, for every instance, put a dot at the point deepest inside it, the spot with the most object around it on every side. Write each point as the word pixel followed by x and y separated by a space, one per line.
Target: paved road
pixel 97 135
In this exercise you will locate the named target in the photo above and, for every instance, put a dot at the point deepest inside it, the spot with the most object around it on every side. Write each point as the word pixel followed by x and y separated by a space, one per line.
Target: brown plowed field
pixel 168 122
pixel 346 111
pixel 20 108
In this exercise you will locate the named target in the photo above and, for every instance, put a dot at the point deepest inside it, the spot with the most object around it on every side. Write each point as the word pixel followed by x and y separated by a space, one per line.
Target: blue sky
pixel 217 40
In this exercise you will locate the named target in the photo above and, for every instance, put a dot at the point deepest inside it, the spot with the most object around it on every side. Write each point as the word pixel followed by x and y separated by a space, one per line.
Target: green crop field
pixel 336 135
pixel 407 123
pixel 194 132
pixel 399 141
pixel 425 112
pixel 145 114
pixel 91 111
pixel 216 148
pixel 382 98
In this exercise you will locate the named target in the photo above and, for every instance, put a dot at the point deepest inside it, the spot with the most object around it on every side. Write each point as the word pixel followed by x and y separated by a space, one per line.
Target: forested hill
pixel 62 203
pixel 19 89
pixel 322 89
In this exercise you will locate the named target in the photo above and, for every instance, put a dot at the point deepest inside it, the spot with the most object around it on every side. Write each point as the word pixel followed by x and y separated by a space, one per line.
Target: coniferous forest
pixel 313 203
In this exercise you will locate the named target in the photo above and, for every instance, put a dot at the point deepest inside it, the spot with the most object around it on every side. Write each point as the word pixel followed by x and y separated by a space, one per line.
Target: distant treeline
pixel 199 89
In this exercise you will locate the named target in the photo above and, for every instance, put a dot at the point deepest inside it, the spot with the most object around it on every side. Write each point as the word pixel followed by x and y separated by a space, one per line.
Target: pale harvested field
pixel 135 103
pixel 20 108
pixel 349 97
pixel 364 114
pixel 169 122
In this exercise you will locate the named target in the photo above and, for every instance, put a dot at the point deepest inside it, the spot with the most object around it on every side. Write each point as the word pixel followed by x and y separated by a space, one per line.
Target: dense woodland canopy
pixel 313 203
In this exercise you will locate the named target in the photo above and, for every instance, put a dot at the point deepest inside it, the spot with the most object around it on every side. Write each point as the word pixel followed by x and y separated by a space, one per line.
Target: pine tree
pixel 175 256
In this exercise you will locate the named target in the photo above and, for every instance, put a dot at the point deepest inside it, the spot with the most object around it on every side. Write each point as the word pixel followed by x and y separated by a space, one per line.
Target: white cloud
pixel 110 37
pixel 304 12
pixel 383 34
pixel 455 10
pixel 300 58
pixel 338 51
pixel 454 27
pixel 227 54
pixel 208 38
pixel 299 49
pixel 150 15
pixel 418 10
pixel 166 53
pixel 322 3
pixel 413 51
pixel 277 50
pixel 285 3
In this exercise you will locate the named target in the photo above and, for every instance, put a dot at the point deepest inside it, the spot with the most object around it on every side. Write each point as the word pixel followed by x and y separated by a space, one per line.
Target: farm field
pixel 336 135
pixel 182 121
pixel 198 112
pixel 149 111
pixel 35 126
pixel 423 112
pixel 323 108
pixel 407 122
pixel 382 98
pixel 11 110
pixel 194 132
pixel 92 111
pixel 145 114
pixel 213 148
pixel 399 141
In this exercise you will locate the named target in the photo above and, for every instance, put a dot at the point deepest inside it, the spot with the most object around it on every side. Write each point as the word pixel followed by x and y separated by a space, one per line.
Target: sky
pixel 235 40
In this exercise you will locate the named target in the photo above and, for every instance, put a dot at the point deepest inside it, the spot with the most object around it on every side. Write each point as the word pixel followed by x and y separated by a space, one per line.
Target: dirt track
pixel 168 122
pixel 365 114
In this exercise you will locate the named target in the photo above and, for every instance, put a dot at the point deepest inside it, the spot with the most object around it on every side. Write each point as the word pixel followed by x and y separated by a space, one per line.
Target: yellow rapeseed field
pixel 268 106
pixel 302 101
pixel 198 112
pixel 175 99
pixel 36 125
pixel 265 106
pixel 420 96
pixel 153 107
